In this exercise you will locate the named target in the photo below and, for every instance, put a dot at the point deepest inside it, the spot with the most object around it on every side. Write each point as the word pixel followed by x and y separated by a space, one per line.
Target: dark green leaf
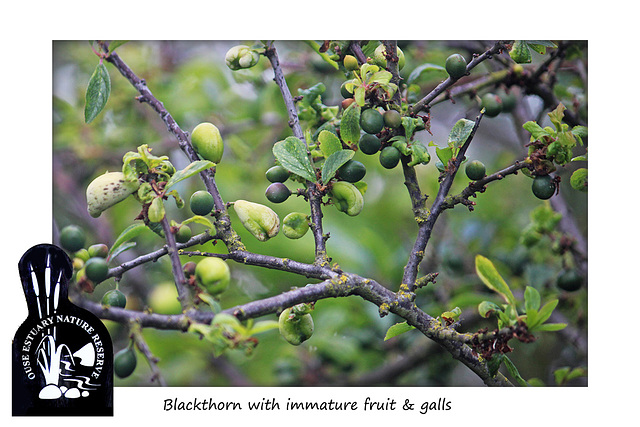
pixel 333 163
pixel 397 329
pixel 514 372
pixel 192 169
pixel 97 94
pixel 494 363
pixel 292 155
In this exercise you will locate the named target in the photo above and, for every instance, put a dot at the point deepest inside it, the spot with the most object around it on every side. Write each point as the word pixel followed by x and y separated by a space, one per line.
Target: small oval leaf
pixel 97 93
pixel 334 162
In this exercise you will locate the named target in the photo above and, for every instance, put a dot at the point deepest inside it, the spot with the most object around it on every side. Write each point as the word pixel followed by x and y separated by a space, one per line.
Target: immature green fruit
pixel 380 59
pixel 456 66
pixel 392 119
pixel 295 225
pixel 347 198
pixel 163 298
pixel 351 63
pixel 371 121
pixel 83 254
pixel 543 187
pixel 114 298
pixel 207 142
pixel 98 250
pixel 492 104
pixel 107 190
pixel 369 144
pixel 124 362
pixel 277 174
pixel 569 280
pixel 201 202
pixel 343 90
pixel 475 170
pixel 183 234
pixel 72 238
pixel 258 219
pixel 241 56
pixel 352 171
pixel 213 275
pixel 295 329
pixel 96 269
pixel 389 157
pixel 277 192
pixel 509 100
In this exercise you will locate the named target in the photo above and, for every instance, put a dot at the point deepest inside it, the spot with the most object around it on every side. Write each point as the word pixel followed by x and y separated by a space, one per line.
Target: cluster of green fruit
pixel 90 265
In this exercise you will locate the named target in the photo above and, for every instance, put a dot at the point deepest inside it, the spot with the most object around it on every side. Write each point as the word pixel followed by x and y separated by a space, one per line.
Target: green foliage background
pixel 194 84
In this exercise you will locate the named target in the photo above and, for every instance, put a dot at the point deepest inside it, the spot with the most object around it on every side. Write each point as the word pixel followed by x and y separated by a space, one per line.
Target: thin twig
pixel 314 196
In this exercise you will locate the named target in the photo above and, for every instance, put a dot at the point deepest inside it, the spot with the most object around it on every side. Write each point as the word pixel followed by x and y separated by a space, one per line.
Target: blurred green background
pixel 194 84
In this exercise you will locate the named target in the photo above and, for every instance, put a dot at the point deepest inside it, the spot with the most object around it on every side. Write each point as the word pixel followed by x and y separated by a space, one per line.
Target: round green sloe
pixel 369 144
pixel 352 171
pixel 371 121
pixel 475 170
pixel 201 202
pixel 124 362
pixel 456 65
pixel 96 269
pixel 543 187
pixel 392 119
pixel 277 192
pixel 492 104
pixel 72 238
pixel 114 298
pixel 389 157
pixel 183 234
pixel 569 280
pixel 277 174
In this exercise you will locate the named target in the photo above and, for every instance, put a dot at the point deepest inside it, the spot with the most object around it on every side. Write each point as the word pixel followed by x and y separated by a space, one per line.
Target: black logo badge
pixel 62 354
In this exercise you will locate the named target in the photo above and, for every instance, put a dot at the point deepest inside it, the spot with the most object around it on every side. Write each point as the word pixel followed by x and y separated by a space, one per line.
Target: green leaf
pixel 262 326
pixel 350 124
pixel 115 44
pixel 514 372
pixel 200 220
pixel 192 169
pixel 444 154
pixel 127 234
pixel 551 327
pixel 531 298
pixel 329 143
pixel 520 52
pixel 536 131
pixel 124 247
pixel 557 115
pixel 382 77
pixel 459 133
pixel 97 93
pixel 492 279
pixel 333 163
pixel 292 155
pixel 359 95
pixel 315 46
pixel 541 46
pixel 397 329
pixel 177 198
pixel 422 69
